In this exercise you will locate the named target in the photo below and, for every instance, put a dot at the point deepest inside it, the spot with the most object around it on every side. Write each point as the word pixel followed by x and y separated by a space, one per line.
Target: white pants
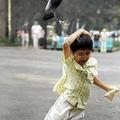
pixel 63 110
pixel 35 38
pixel 25 40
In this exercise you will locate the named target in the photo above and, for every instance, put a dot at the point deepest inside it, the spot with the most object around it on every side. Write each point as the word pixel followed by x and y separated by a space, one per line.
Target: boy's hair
pixel 82 42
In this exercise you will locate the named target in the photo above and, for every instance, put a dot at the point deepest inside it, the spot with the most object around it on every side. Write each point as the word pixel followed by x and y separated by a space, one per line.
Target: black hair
pixel 82 42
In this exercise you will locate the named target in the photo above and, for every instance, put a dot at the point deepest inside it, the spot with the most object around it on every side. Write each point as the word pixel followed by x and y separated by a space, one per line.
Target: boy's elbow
pixel 65 45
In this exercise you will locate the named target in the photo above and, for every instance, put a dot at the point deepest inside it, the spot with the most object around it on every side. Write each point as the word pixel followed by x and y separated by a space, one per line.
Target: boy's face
pixel 82 56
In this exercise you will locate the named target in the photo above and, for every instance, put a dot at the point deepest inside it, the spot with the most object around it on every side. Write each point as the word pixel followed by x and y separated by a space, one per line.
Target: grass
pixel 116 44
pixel 7 42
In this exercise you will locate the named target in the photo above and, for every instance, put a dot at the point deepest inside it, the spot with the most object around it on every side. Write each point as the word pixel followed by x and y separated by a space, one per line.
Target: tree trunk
pixel 2 18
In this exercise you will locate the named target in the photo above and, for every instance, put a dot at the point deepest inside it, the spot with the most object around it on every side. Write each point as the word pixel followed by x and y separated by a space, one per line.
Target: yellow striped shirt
pixel 75 82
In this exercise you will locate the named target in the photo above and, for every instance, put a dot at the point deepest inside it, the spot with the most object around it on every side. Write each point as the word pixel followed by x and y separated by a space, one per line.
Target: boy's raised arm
pixel 66 46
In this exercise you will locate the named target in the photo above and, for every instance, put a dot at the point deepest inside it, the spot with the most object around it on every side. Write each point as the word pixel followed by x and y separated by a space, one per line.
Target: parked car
pixel 60 43
pixel 106 45
pixel 109 42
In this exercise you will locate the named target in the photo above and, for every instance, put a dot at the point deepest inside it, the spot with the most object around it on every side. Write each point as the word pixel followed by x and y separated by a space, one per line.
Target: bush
pixel 4 41
pixel 116 44
pixel 7 42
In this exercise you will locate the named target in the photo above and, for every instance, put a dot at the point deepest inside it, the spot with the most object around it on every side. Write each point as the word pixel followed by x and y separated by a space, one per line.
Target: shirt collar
pixel 82 68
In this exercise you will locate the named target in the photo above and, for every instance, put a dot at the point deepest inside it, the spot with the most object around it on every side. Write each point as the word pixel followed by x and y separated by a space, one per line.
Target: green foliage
pixel 4 41
pixel 7 42
pixel 116 44
pixel 96 14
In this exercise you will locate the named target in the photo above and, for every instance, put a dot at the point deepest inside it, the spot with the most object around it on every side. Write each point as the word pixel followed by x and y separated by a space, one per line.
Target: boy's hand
pixel 66 45
pixel 76 34
pixel 111 93
pixel 83 31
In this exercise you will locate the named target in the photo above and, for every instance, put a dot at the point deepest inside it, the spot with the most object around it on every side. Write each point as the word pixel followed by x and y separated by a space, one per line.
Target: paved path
pixel 27 77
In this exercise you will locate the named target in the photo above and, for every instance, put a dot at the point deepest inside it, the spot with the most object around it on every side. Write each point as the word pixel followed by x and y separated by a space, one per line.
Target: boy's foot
pixel 111 93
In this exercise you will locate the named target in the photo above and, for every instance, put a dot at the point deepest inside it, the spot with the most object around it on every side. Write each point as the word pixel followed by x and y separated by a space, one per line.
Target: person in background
pixel 18 37
pixel 79 73
pixel 25 35
pixel 54 40
pixel 37 33
pixel 96 40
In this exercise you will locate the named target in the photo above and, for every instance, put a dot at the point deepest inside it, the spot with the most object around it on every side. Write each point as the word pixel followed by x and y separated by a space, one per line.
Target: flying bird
pixel 50 9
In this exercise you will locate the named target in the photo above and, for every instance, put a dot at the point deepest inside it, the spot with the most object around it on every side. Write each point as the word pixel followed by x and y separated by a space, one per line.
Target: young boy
pixel 80 71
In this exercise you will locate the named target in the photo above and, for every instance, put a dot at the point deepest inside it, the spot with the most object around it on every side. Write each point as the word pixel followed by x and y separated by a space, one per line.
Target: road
pixel 27 77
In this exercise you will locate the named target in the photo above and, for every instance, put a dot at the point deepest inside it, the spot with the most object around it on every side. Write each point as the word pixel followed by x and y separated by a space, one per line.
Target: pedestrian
pixel 79 73
pixel 103 37
pixel 25 35
pixel 55 38
pixel 96 41
pixel 37 33
pixel 18 37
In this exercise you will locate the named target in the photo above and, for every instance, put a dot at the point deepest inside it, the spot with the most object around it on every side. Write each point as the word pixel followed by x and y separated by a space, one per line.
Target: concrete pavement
pixel 27 77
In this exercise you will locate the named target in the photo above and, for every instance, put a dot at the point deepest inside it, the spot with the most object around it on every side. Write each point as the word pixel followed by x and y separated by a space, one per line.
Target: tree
pixel 2 18
pixel 96 14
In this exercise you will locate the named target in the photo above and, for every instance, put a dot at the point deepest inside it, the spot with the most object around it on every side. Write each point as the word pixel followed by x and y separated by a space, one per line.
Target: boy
pixel 80 71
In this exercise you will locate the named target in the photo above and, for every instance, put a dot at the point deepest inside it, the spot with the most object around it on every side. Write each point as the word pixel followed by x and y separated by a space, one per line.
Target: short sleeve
pixel 94 71
pixel 93 67
pixel 69 60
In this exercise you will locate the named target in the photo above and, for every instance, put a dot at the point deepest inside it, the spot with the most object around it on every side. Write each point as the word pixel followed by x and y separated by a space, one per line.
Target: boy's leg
pixel 76 114
pixel 60 110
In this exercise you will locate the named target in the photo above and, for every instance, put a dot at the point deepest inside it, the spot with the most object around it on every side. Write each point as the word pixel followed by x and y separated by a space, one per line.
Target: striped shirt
pixel 75 82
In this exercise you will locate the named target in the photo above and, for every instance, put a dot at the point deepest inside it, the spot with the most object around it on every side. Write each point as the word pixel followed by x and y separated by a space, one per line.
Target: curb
pixel 116 49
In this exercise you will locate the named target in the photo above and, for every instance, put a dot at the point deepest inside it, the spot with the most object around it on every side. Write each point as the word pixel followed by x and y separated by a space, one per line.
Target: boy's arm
pixel 101 84
pixel 111 90
pixel 66 46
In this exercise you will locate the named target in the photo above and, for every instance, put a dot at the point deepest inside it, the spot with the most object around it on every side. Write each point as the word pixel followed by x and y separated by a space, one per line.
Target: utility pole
pixel 2 18
pixel 9 19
